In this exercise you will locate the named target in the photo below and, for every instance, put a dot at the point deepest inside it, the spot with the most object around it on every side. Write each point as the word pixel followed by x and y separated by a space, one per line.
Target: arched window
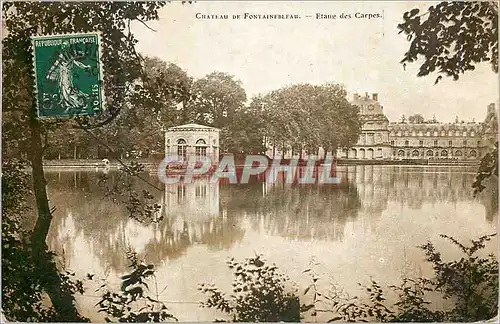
pixel 473 153
pixel 430 153
pixel 201 147
pixel 428 133
pixel 401 153
pixel 435 133
pixel 457 133
pixel 444 153
pixel 443 133
pixel 181 147
pixel 472 133
pixel 458 153
pixel 415 153
pixel 464 134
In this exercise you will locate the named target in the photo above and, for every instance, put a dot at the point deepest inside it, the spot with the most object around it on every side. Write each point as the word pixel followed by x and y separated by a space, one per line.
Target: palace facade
pixel 384 140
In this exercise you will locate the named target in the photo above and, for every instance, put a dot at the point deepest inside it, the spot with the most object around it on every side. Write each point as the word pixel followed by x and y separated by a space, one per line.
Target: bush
pixel 259 294
pixel 470 283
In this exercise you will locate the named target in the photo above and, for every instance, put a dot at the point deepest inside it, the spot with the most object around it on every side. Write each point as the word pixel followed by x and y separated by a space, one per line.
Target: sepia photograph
pixel 250 161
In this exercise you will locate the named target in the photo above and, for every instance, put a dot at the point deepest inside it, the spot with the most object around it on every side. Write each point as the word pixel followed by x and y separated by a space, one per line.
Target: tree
pixel 416 119
pixel 158 101
pixel 306 117
pixel 217 98
pixel 245 131
pixel 122 65
pixel 452 37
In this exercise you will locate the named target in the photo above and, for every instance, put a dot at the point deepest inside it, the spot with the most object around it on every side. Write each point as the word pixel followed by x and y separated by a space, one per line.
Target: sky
pixel 362 54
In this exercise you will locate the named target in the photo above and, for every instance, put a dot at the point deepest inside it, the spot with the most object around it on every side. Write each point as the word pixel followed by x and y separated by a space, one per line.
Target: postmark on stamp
pixel 68 74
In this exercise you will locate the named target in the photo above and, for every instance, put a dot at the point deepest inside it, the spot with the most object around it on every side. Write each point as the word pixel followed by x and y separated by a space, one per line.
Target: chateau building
pixel 384 140
pixel 380 139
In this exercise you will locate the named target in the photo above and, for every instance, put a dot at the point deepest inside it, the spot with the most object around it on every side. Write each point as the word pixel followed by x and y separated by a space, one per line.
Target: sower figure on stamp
pixel 62 72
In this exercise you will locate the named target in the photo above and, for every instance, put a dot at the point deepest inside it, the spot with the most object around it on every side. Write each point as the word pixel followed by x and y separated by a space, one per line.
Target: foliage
pixel 21 291
pixel 245 131
pixel 452 37
pixel 487 167
pixel 259 294
pixel 22 282
pixel 160 99
pixel 416 119
pixel 131 303
pixel 218 96
pixel 305 117
pixel 122 65
pixel 470 283
pixel 121 62
pixel 140 204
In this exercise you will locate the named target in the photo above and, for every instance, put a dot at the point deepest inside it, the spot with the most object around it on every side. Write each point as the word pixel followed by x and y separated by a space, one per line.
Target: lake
pixel 366 227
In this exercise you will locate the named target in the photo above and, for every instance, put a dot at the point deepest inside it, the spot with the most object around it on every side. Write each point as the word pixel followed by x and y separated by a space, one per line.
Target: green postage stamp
pixel 68 74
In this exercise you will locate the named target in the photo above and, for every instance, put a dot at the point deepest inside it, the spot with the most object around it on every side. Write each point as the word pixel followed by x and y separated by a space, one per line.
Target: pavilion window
pixel 181 148
pixel 201 148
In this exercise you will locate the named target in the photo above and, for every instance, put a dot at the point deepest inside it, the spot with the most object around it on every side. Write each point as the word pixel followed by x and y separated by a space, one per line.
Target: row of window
pixel 450 143
pixel 435 133
pixel 183 142
pixel 200 148
pixel 443 153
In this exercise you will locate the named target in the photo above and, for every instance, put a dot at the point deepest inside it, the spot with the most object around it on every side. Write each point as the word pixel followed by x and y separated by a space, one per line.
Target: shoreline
pixel 153 164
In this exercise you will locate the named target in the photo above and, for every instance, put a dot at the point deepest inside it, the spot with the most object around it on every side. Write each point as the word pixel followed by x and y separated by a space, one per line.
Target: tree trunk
pixel 62 300
pixel 74 153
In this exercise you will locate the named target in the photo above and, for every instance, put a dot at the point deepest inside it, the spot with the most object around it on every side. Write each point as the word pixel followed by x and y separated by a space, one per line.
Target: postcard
pixel 250 161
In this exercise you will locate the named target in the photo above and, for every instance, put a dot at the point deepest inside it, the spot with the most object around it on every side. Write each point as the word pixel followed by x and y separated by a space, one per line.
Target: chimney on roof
pixel 375 96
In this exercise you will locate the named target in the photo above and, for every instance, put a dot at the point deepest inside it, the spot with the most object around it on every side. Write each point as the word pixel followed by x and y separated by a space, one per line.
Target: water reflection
pixel 366 226
pixel 294 211
pixel 218 215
